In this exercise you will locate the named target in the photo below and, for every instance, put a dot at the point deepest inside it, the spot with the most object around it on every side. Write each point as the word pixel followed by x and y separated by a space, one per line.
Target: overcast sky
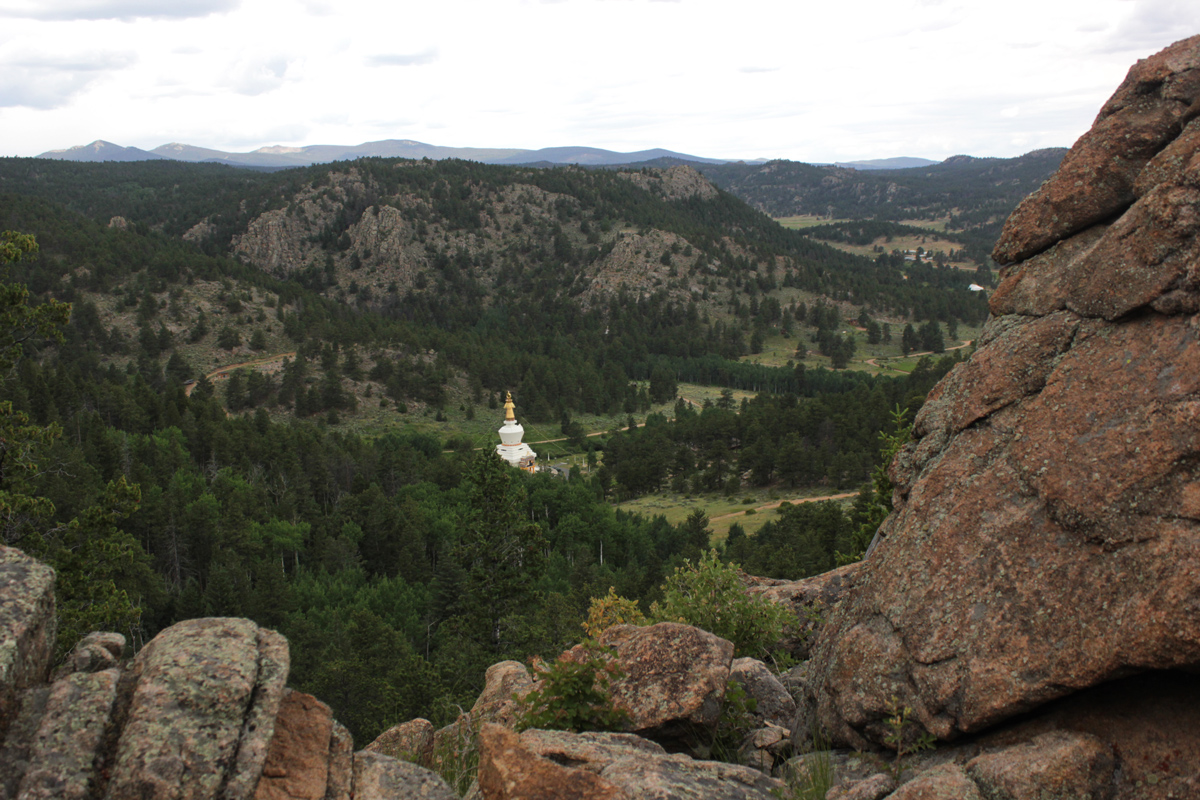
pixel 799 79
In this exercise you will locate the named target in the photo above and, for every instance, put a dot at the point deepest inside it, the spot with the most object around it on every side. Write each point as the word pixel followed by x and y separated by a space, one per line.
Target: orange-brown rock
pixel 297 765
pixel 810 598
pixel 409 741
pixel 674 678
pixel 1097 176
pixel 1146 722
pixel 946 782
pixel 505 684
pixel 560 764
pixel 1054 765
pixel 508 770
pixel 1046 533
pixel 875 787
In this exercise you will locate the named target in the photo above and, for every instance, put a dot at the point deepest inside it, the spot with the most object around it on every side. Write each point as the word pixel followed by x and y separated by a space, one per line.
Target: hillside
pixel 970 195
pixel 540 274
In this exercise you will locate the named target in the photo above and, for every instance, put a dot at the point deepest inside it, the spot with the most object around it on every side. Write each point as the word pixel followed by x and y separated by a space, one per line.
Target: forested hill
pixel 973 195
pixel 561 284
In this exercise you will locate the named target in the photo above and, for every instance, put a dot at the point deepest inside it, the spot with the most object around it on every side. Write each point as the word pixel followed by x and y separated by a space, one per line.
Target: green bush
pixel 576 695
pixel 710 595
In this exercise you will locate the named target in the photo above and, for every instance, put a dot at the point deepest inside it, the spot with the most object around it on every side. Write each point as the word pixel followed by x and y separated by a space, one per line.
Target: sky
pixel 808 80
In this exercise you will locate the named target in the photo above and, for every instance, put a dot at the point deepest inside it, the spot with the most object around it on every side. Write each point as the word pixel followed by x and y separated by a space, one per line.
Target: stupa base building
pixel 511 448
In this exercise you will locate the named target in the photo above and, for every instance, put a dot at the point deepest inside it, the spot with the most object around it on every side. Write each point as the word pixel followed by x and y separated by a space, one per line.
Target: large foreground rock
pixel 200 713
pixel 205 696
pixel 1046 536
pixel 604 766
pixel 674 679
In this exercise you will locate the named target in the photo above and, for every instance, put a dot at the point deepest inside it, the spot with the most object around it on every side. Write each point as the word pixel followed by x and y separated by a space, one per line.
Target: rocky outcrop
pixel 640 264
pixel 1098 177
pixel 556 764
pixel 300 760
pixel 200 712
pixel 673 682
pixel 408 741
pixel 680 182
pixel 378 777
pixel 27 627
pixel 945 782
pixel 282 240
pixel 1046 536
pixel 504 685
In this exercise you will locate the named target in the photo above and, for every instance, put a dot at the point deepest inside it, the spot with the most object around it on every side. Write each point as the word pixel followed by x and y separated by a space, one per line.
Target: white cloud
pixel 256 76
pixel 1150 25
pixel 49 81
pixel 402 59
pixel 126 10
pixel 808 81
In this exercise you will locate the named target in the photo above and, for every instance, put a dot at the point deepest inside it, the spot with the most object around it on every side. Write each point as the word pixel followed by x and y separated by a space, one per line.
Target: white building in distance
pixel 511 449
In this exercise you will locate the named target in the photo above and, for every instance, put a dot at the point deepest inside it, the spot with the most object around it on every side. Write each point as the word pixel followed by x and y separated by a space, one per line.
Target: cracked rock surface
pixel 1046 533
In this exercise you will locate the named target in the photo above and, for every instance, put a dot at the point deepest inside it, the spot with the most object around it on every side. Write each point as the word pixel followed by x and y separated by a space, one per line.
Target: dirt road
pixel 223 372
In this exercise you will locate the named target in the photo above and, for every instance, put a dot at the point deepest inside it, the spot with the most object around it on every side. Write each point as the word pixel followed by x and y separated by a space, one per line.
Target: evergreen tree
pixel 500 552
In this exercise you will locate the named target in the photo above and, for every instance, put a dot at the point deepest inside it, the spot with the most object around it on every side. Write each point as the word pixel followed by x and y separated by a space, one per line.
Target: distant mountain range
pixel 900 162
pixel 279 156
pixel 389 148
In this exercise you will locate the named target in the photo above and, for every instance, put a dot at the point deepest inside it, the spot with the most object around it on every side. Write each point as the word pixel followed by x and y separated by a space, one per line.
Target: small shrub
pixel 612 609
pixel 813 780
pixel 901 735
pixel 734 724
pixel 456 757
pixel 711 595
pixel 575 695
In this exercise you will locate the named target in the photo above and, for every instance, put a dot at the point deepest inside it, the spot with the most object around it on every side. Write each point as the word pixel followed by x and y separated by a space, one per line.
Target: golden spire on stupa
pixel 509 416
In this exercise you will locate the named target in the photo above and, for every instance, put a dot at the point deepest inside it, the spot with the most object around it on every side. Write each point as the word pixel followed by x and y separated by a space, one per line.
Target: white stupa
pixel 511 449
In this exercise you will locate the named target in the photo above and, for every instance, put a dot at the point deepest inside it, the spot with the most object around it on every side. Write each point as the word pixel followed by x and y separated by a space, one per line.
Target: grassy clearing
pixel 806 221
pixel 932 224
pixel 724 511
pixel 886 358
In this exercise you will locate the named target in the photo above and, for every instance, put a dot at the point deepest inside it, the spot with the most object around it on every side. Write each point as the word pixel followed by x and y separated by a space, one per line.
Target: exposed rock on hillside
pixel 675 183
pixel 1046 536
pixel 636 265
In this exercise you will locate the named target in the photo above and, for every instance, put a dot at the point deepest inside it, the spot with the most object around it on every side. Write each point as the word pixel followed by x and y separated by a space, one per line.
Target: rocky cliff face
pixel 1046 536
pixel 399 242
